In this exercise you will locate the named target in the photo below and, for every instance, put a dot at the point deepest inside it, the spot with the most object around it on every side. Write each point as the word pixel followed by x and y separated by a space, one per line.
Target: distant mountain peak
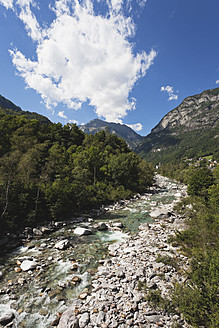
pixel 121 130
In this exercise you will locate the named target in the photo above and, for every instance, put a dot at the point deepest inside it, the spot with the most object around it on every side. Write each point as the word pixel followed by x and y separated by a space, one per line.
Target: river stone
pixel 28 265
pixel 6 318
pixel 160 213
pixel 117 225
pixel 67 318
pixel 46 230
pixel 101 226
pixel 82 231
pixel 100 317
pixel 37 232
pixel 84 319
pixel 62 244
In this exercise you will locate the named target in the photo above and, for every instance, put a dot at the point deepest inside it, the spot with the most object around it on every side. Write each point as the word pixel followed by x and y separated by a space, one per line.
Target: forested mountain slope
pixel 8 107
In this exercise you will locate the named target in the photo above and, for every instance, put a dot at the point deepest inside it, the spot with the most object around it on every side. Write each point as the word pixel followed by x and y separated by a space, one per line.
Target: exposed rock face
pixel 121 130
pixel 194 112
pixel 189 130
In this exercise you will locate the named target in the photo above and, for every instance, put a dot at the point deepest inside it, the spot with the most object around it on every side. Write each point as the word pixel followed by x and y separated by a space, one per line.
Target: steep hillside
pixel 187 131
pixel 8 107
pixel 122 131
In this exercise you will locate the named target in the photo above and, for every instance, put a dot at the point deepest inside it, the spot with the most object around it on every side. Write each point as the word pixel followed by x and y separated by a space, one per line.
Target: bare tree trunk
pixel 36 203
pixel 6 197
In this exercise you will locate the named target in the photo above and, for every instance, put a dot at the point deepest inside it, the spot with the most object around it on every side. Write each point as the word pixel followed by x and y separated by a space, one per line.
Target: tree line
pixel 52 172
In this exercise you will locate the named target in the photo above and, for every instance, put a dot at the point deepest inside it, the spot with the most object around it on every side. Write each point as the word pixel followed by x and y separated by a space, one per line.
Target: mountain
pixel 8 107
pixel 189 130
pixel 123 131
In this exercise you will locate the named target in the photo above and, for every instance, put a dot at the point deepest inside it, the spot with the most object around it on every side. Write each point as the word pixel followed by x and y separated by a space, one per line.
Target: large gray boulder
pixel 82 231
pixel 28 265
pixel 160 213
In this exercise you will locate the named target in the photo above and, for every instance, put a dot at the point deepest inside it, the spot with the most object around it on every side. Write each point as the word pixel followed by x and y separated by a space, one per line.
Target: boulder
pixel 117 225
pixel 101 226
pixel 67 318
pixel 62 244
pixel 160 213
pixel 28 265
pixel 46 230
pixel 37 232
pixel 84 319
pixel 6 318
pixel 82 231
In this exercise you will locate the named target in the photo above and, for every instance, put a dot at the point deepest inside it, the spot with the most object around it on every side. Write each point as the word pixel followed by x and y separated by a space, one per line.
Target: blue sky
pixel 127 61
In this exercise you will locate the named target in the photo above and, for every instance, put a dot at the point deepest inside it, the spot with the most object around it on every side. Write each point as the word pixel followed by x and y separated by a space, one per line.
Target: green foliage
pixel 50 171
pixel 200 181
pixel 168 260
pixel 155 298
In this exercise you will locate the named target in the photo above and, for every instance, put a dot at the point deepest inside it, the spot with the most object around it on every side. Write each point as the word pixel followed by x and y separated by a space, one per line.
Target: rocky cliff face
pixel 189 130
pixel 193 113
pixel 122 131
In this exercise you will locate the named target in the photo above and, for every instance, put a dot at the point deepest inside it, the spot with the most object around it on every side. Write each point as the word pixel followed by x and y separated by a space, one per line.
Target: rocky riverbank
pixel 116 299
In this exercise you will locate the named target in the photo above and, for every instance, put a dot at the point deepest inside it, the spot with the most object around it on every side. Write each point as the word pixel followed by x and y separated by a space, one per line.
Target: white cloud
pixel 171 94
pixel 83 57
pixel 73 121
pixel 136 127
pixel 217 82
pixel 62 115
pixel 7 3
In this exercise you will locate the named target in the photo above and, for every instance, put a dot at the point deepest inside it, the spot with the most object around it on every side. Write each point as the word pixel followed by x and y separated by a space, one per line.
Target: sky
pixel 124 61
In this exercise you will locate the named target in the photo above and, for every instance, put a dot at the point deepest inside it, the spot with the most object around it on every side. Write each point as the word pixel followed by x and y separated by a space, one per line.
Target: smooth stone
pixel 117 225
pixel 37 232
pixel 84 319
pixel 82 231
pixel 160 213
pixel 101 226
pixel 100 317
pixel 28 265
pixel 6 318
pixel 82 296
pixel 62 244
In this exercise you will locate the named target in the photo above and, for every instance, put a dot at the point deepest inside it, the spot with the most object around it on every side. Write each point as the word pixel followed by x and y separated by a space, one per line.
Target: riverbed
pixel 36 297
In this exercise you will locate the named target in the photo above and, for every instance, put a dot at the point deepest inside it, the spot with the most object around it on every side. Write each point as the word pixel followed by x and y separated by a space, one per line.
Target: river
pixel 36 296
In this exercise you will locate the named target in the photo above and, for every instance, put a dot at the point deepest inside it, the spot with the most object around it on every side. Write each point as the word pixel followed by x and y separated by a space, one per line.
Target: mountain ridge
pixel 121 130
pixel 7 107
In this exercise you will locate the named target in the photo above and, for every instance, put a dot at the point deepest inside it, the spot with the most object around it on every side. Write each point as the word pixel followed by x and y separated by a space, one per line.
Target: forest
pixel 52 172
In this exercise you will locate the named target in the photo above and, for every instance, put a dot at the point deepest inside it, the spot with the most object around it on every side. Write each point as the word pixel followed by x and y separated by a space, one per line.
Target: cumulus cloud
pixel 217 82
pixel 136 127
pixel 172 95
pixel 83 57
pixel 73 121
pixel 62 115
pixel 7 3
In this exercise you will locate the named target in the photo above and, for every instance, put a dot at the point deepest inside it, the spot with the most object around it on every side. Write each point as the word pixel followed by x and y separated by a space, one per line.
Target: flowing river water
pixel 36 296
